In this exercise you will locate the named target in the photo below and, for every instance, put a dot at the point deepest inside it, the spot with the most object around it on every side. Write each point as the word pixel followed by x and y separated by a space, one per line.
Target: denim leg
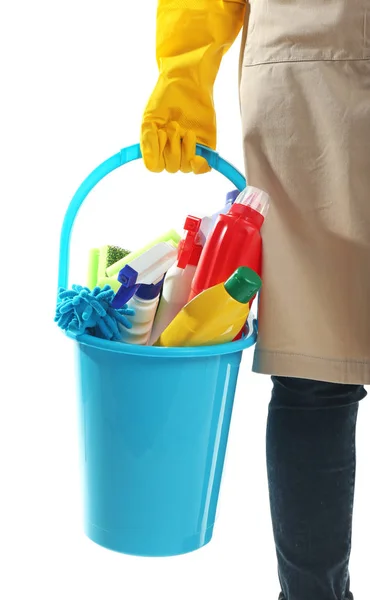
pixel 311 461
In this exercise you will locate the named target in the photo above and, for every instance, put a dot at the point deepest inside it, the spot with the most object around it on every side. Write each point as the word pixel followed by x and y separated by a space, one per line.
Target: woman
pixel 305 106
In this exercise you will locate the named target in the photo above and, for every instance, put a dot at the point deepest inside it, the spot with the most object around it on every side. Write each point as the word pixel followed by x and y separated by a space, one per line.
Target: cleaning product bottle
pixel 235 241
pixel 144 303
pixel 177 284
pixel 208 223
pixel 216 316
pixel 148 268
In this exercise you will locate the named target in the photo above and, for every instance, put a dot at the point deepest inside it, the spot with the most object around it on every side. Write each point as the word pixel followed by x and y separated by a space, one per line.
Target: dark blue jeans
pixel 311 462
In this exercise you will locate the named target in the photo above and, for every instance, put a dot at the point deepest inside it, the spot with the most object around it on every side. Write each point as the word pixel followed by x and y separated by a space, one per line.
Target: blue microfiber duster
pixel 81 310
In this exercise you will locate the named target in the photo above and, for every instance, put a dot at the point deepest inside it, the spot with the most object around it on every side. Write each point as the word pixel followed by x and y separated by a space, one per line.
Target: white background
pixel 75 77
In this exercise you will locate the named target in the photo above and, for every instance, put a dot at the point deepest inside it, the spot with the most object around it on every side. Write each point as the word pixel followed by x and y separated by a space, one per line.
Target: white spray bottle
pixel 177 283
pixel 148 268
pixel 145 303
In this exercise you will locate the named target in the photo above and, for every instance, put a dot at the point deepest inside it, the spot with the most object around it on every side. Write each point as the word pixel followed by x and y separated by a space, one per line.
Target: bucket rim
pixel 160 352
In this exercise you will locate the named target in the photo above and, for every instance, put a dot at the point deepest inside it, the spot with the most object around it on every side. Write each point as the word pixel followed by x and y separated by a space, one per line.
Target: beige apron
pixel 305 101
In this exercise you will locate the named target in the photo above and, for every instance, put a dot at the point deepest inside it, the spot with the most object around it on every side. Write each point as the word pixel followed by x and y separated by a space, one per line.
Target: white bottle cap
pixel 257 199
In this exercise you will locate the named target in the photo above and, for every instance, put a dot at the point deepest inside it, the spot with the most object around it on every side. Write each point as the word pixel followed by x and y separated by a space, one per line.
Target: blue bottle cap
pixel 232 196
pixel 149 292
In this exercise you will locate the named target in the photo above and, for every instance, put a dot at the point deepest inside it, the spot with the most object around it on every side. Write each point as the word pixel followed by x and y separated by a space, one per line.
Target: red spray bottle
pixel 235 242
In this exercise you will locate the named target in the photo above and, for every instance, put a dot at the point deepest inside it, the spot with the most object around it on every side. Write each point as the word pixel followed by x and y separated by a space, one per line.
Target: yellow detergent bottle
pixel 216 316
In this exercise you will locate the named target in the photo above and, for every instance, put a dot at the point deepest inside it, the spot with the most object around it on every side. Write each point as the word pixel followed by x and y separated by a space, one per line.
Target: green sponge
pixel 99 261
pixel 107 257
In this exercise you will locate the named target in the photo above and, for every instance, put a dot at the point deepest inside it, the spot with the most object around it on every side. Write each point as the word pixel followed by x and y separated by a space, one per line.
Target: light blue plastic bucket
pixel 154 423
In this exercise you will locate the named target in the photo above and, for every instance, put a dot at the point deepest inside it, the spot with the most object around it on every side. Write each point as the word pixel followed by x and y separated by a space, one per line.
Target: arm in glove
pixel 192 37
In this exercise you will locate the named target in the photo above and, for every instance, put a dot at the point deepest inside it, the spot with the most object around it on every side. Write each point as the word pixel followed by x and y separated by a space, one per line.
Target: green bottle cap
pixel 243 285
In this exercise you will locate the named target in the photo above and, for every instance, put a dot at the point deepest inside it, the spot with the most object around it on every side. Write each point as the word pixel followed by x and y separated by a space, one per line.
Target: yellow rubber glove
pixel 192 37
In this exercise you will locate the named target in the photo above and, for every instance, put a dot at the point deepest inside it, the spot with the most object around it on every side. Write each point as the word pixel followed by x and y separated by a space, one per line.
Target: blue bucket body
pixel 154 432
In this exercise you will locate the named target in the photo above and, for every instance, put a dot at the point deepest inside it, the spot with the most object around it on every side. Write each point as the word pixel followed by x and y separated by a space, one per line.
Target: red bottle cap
pixel 189 248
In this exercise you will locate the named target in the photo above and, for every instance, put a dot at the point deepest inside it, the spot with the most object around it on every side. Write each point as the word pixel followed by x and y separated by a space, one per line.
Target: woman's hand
pixel 192 38
pixel 171 148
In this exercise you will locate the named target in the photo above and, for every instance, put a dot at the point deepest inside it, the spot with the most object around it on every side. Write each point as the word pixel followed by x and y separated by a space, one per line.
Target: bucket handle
pixel 123 157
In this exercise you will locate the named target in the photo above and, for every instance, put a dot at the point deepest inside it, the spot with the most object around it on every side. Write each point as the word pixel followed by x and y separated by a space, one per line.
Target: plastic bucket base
pixel 144 548
pixel 154 429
